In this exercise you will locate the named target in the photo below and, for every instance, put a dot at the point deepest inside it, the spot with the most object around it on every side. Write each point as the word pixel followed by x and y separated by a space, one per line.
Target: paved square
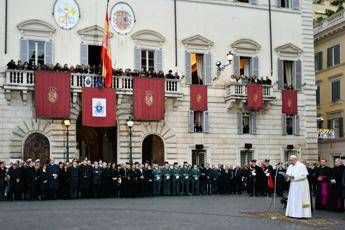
pixel 202 212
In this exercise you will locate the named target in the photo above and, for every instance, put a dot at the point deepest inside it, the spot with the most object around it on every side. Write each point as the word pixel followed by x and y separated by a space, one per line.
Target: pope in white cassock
pixel 298 205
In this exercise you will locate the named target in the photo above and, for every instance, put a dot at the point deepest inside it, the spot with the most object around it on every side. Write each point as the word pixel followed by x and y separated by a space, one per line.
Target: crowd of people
pixel 244 79
pixel 89 69
pixel 31 180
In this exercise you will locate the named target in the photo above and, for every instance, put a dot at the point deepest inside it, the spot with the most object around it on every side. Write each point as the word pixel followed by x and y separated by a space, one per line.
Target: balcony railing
pixel 239 91
pixel 25 80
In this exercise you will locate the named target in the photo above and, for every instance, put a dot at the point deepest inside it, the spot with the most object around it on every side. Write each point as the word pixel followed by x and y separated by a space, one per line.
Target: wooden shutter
pixel 191 121
pixel 320 60
pixel 84 54
pixel 205 125
pixel 329 57
pixel 329 124
pixel 137 58
pixel 208 69
pixel 297 74
pixel 279 3
pixel 254 66
pixel 341 127
pixel 236 65
pixel 295 4
pixel 296 125
pixel 252 124
pixel 336 54
pixel 239 123
pixel 188 68
pixel 158 60
pixel 48 54
pixel 284 130
pixel 24 50
pixel 280 74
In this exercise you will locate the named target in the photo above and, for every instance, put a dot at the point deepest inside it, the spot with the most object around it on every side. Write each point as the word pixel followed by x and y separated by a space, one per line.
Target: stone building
pixel 187 36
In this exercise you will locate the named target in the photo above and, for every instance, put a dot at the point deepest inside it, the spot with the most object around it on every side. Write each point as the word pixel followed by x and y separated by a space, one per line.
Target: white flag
pixel 99 107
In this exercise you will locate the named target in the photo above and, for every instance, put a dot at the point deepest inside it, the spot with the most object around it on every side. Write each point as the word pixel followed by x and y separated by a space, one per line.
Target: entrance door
pixel 96 143
pixel 153 149
pixel 94 55
pixel 198 157
pixel 37 146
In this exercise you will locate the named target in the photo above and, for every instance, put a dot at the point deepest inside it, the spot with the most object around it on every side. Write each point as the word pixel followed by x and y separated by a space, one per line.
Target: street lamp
pixel 130 124
pixel 67 124
pixel 220 66
pixel 230 56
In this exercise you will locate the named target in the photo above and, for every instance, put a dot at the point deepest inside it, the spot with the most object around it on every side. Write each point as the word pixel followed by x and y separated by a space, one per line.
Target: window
pixel 148 60
pixel 198 122
pixel 285 3
pixel 319 123
pixel 333 55
pixel 337 125
pixel 246 156
pixel 94 54
pixel 198 157
pixel 335 89
pixel 288 74
pixel 245 66
pixel 197 63
pixel 318 95
pixel 318 61
pixel 246 123
pixel 36 52
pixel 290 125
pixel 289 152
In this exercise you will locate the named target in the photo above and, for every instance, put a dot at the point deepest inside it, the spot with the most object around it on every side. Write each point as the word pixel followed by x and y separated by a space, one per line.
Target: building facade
pixel 206 30
pixel 329 67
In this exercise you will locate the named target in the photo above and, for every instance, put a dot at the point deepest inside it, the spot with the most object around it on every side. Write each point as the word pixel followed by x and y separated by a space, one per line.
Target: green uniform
pixel 176 181
pixel 166 181
pixel 195 174
pixel 185 172
pixel 157 181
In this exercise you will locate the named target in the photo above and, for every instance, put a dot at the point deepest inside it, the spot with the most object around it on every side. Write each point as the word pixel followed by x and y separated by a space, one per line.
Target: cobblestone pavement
pixel 194 213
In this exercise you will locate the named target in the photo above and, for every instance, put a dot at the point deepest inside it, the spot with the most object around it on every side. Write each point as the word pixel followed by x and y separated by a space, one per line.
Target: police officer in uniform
pixel 157 179
pixel 195 174
pixel 166 173
pixel 176 180
pixel 185 172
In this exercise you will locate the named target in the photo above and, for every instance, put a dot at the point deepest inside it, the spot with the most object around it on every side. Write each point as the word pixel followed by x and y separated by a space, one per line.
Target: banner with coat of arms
pixel 149 99
pixel 99 107
pixel 198 98
pixel 254 97
pixel 289 102
pixel 52 94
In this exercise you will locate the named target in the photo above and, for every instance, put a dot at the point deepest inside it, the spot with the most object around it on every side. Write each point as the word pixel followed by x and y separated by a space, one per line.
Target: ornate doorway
pixel 153 149
pixel 37 146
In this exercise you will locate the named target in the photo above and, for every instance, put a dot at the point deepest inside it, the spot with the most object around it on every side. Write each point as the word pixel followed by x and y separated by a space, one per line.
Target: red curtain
pixel 289 98
pixel 52 94
pixel 99 107
pixel 254 96
pixel 198 97
pixel 149 99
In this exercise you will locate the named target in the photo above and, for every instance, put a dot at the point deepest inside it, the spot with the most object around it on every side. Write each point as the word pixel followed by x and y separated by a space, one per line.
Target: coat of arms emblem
pixel 52 94
pixel 198 97
pixel 255 97
pixel 289 103
pixel 148 98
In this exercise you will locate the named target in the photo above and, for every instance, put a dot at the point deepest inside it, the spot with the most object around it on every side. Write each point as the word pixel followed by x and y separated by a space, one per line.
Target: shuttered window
pixel 36 52
pixel 246 123
pixel 318 95
pixel 198 121
pixel 246 156
pixel 147 60
pixel 335 88
pixel 337 125
pixel 333 55
pixel 318 61
pixel 290 125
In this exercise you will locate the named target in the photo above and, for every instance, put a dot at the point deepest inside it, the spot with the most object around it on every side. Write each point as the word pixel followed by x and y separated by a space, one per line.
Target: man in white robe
pixel 298 205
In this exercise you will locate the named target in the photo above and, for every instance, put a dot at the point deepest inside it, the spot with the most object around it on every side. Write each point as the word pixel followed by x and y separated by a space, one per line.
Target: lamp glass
pixel 130 123
pixel 67 122
pixel 229 56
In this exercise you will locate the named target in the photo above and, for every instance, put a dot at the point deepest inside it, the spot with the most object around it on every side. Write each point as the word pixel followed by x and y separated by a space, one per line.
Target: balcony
pixel 238 92
pixel 24 80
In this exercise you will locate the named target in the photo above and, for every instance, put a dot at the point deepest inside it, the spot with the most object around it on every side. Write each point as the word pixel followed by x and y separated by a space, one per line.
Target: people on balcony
pixel 251 79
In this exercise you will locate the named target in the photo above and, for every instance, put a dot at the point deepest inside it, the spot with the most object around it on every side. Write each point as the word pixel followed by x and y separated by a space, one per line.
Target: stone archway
pixel 153 149
pixel 36 146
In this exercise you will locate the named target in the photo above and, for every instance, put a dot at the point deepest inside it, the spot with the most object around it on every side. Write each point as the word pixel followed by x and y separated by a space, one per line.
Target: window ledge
pixel 339 102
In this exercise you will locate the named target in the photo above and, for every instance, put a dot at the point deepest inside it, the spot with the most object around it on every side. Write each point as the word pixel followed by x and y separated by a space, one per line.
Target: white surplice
pixel 298 205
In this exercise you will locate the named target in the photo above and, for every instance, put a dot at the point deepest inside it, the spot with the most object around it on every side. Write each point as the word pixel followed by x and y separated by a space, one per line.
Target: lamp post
pixel 130 124
pixel 67 124
pixel 220 67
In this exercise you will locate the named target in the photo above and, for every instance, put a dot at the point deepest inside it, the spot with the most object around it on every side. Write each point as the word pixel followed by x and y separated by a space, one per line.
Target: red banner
pixel 198 97
pixel 52 94
pixel 289 98
pixel 149 99
pixel 99 107
pixel 254 96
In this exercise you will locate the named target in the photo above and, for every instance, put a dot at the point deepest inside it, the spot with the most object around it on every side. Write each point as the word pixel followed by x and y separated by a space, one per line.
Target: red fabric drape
pixel 198 97
pixel 289 98
pixel 52 94
pixel 99 107
pixel 149 98
pixel 254 96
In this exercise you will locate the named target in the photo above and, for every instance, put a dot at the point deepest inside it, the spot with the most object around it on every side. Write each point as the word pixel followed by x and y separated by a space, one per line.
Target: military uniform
pixel 166 173
pixel 195 174
pixel 157 180
pixel 176 181
pixel 185 172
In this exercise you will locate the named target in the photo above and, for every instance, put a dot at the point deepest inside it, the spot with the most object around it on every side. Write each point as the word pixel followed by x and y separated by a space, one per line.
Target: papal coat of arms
pixel 52 94
pixel 198 97
pixel 148 98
